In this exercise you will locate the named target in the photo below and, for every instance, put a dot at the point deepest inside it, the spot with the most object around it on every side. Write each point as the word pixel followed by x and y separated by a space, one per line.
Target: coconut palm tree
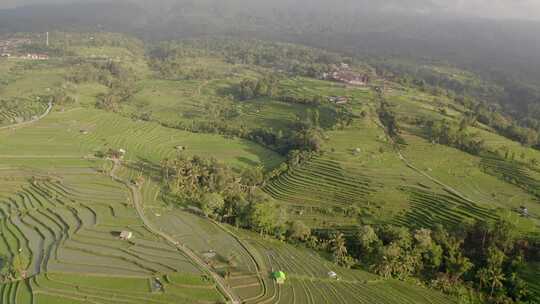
pixel 339 249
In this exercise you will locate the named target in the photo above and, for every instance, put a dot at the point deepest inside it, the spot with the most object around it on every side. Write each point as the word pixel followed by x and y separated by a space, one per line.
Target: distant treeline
pixel 288 58
pixel 504 52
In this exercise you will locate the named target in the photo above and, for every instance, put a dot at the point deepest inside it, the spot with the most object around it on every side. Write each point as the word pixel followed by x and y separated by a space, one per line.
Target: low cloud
pixel 497 9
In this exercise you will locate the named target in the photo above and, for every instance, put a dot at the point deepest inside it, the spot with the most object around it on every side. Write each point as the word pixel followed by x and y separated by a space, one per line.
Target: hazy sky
pixel 515 9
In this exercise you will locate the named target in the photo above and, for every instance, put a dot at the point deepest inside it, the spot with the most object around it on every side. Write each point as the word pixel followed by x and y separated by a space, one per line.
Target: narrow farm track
pixel 252 257
pixel 138 202
pixel 410 165
pixel 25 123
pixel 200 87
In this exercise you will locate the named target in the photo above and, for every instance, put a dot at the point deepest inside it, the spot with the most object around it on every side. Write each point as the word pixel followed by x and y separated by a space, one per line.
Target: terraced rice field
pixel 79 133
pixel 496 142
pixel 321 183
pixel 479 179
pixel 321 193
pixel 29 79
pixel 308 282
pixel 429 208
pixel 20 112
pixel 67 219
pixel 341 178
pixel 512 172
pixel 201 100
pixel 70 226
pixel 69 288
pixel 220 249
pixel 59 209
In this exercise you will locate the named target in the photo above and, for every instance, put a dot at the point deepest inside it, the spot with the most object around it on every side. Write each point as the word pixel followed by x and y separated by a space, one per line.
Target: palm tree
pixel 338 247
pixel 497 278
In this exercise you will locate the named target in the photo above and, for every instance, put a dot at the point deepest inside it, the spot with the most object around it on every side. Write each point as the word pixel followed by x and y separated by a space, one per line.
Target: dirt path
pixel 201 86
pixel 138 202
pixel 240 241
pixel 22 124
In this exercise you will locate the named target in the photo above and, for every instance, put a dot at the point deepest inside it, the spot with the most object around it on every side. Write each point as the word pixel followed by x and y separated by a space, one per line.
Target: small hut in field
pixel 126 235
pixel 279 277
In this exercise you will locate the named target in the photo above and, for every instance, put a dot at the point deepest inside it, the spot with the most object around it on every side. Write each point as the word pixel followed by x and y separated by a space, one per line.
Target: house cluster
pixel 344 74
pixel 8 49
pixel 5 50
pixel 36 57
pixel 8 46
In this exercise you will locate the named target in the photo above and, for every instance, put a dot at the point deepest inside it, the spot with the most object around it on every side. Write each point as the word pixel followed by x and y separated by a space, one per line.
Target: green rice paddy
pixel 61 210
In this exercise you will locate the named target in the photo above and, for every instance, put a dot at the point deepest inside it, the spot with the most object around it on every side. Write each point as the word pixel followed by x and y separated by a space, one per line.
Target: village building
pixel 339 100
pixel 37 57
pixel 344 74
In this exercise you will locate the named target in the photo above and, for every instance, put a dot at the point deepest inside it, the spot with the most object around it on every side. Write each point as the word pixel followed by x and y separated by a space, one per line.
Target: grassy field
pixel 80 132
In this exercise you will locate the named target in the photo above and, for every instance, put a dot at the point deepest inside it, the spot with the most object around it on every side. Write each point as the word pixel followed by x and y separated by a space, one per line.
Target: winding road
pixel 138 202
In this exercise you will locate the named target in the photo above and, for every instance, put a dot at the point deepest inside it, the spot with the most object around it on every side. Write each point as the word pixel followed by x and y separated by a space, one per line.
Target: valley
pixel 226 163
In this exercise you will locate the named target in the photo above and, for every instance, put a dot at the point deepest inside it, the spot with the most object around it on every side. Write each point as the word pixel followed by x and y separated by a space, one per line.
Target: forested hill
pixel 505 52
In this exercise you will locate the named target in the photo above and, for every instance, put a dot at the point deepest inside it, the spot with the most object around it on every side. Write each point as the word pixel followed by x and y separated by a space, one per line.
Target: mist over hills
pixel 494 9
pixel 500 49
pixel 256 151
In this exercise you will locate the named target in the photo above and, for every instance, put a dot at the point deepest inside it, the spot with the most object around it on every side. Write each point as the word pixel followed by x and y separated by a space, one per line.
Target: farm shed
pixel 279 276
pixel 126 235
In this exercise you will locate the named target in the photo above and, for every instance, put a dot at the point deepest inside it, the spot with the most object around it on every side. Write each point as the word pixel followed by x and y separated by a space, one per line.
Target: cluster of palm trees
pixel 483 260
pixel 193 176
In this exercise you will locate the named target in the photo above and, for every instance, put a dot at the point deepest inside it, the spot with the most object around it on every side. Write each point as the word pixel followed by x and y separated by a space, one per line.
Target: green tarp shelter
pixel 279 276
